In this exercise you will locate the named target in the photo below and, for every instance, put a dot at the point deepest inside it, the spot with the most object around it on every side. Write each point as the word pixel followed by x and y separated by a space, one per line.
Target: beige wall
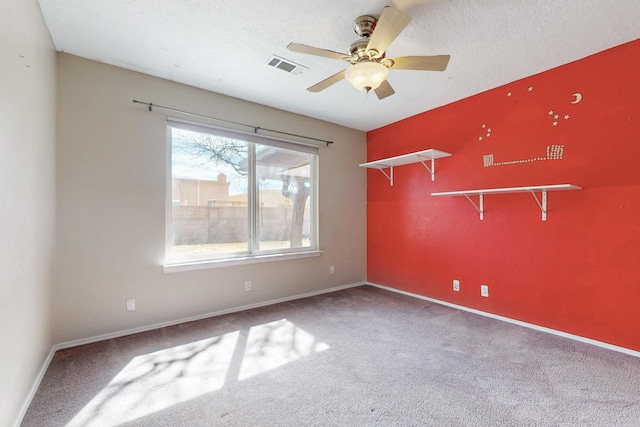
pixel 111 206
pixel 27 188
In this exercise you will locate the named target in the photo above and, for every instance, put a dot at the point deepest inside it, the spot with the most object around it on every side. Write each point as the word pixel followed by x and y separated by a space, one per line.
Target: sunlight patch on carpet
pixel 156 381
pixel 275 344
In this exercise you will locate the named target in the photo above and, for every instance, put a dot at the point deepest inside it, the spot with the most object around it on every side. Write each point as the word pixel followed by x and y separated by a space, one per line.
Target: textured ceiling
pixel 224 46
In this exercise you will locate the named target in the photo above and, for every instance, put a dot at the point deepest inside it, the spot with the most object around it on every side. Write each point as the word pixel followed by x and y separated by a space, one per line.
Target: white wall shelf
pixel 542 204
pixel 406 159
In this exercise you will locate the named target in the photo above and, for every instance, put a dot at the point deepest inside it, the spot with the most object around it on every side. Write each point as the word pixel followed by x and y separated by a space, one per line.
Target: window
pixel 238 195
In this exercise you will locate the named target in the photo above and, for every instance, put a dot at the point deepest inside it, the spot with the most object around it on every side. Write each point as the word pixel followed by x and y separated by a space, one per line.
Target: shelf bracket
pixel 541 204
pixel 480 206
pixel 431 170
pixel 388 175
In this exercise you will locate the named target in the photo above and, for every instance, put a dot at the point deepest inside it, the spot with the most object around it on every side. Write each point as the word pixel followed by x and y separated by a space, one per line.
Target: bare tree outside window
pixel 299 193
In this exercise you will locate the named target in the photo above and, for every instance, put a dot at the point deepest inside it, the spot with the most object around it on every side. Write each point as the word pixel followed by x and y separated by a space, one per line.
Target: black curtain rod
pixel 255 128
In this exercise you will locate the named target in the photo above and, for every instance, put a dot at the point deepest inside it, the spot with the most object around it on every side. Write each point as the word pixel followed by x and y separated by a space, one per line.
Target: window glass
pixel 284 203
pixel 233 197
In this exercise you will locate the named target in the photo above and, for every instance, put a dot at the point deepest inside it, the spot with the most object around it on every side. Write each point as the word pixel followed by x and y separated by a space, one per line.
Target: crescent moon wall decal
pixel 578 96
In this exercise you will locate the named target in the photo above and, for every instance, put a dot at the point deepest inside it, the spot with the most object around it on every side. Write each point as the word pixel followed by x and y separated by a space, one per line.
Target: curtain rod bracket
pixel 150 106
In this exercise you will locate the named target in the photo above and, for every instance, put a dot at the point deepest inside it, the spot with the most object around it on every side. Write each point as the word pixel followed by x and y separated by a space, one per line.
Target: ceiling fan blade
pixel 327 82
pixel 390 24
pixel 384 90
pixel 428 63
pixel 310 50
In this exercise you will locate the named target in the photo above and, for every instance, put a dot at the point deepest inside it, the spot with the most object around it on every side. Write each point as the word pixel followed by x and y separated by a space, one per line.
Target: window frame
pixel 252 255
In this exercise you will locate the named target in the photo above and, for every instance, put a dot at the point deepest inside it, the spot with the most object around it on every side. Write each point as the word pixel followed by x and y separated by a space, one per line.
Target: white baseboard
pixel 34 388
pixel 515 322
pixel 132 331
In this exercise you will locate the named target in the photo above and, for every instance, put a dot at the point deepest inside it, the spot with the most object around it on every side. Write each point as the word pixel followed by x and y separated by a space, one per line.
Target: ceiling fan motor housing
pixel 358 49
pixel 364 26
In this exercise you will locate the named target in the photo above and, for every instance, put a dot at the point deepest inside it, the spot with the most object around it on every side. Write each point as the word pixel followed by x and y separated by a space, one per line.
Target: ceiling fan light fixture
pixel 366 75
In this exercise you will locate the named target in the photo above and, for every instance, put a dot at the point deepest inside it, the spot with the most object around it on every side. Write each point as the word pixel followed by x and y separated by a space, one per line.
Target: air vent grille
pixel 286 65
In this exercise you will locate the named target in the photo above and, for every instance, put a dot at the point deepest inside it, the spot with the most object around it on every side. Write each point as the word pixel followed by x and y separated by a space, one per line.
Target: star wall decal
pixel 556 117
pixel 486 132
pixel 511 93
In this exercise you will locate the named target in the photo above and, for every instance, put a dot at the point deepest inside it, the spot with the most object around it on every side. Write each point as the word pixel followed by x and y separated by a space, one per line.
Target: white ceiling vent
pixel 286 65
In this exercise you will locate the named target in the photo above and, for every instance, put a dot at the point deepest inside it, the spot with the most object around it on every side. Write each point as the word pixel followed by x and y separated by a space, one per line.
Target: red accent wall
pixel 577 272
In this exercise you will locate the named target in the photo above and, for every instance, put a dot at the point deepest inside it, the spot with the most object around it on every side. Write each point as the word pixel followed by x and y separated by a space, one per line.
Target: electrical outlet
pixel 456 285
pixel 332 270
pixel 131 304
pixel 484 290
pixel 247 285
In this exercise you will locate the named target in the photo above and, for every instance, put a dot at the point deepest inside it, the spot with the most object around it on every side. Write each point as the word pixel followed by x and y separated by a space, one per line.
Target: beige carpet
pixel 358 357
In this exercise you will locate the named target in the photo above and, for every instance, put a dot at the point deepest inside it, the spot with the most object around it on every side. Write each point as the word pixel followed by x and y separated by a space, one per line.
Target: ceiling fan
pixel 369 66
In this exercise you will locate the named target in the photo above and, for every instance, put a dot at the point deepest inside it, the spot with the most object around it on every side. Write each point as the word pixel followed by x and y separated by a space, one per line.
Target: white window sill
pixel 229 262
